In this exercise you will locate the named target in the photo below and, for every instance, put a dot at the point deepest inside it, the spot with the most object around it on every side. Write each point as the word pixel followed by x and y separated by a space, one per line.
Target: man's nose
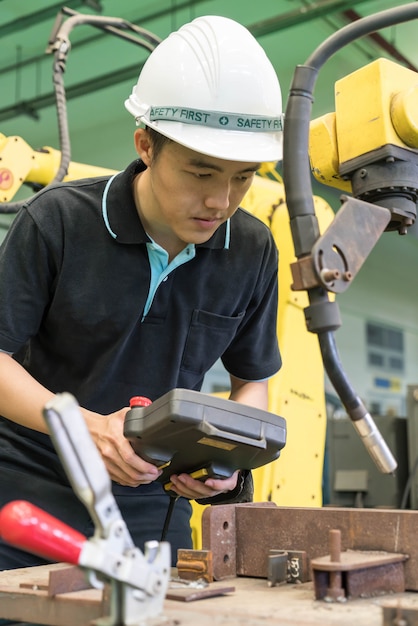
pixel 218 197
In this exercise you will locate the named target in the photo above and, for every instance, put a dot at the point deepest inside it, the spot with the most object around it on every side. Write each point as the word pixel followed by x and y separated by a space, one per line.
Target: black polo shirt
pixel 77 313
pixel 74 280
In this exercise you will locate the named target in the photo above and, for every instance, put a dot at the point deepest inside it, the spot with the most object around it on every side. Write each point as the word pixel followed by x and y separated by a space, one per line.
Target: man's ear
pixel 143 145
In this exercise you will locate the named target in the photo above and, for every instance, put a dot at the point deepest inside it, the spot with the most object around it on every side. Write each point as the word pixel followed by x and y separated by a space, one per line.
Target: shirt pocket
pixel 208 337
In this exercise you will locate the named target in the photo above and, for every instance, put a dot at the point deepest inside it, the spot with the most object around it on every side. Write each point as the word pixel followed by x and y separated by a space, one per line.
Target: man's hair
pixel 158 141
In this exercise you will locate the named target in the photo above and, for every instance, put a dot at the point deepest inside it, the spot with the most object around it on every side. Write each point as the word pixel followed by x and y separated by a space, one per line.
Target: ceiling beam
pixel 301 15
pixel 87 40
pixel 31 107
pixel 28 20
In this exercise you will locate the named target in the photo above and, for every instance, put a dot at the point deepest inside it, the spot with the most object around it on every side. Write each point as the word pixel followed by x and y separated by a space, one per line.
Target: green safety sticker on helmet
pixel 215 119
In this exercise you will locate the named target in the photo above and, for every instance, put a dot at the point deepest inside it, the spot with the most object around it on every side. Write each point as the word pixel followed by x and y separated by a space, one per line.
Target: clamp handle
pixel 28 527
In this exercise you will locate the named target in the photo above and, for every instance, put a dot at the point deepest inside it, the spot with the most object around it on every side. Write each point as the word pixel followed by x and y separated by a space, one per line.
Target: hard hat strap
pixel 215 119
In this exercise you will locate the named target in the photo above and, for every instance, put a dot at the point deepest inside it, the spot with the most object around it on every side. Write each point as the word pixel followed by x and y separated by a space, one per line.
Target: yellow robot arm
pixel 371 150
pixel 20 164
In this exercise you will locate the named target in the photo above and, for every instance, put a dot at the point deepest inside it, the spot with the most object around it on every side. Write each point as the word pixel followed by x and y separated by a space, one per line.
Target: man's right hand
pixel 125 467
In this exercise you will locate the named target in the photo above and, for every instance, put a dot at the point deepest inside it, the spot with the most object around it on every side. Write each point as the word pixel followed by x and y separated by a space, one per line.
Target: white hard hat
pixel 210 87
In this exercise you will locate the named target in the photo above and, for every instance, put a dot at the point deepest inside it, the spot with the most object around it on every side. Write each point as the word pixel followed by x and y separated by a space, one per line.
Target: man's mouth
pixel 207 222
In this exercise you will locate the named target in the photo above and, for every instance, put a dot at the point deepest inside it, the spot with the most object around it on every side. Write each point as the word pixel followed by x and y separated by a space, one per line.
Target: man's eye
pixel 201 175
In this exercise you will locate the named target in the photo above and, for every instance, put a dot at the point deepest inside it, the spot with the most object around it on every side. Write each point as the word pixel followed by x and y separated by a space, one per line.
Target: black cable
pixel 171 505
pixel 60 44
pixel 64 135
pixel 296 166
pixel 335 372
pixel 297 178
pixel 361 28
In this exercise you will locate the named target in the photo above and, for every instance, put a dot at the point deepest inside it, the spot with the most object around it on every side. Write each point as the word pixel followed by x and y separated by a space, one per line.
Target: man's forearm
pixel 250 393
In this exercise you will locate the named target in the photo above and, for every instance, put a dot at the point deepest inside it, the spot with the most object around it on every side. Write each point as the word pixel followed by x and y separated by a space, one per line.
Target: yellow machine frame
pixel 297 391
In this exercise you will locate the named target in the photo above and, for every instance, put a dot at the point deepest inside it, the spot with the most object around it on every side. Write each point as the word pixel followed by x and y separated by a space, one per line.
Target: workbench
pixel 252 603
pixel 240 537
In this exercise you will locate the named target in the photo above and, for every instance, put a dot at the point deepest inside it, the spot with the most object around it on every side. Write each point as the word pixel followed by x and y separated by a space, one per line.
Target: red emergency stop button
pixel 139 401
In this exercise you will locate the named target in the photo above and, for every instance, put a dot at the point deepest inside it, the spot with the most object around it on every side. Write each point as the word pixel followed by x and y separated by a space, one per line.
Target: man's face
pixel 186 196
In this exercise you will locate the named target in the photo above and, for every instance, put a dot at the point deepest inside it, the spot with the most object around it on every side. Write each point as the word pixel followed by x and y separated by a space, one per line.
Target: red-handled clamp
pixel 25 525
pixel 139 581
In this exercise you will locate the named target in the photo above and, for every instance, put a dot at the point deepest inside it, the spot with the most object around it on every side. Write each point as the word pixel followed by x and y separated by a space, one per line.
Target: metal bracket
pixel 287 566
pixel 335 259
pixel 195 565
pixel 354 573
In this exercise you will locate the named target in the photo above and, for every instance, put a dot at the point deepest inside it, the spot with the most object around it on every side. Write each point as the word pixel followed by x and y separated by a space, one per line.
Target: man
pixel 136 284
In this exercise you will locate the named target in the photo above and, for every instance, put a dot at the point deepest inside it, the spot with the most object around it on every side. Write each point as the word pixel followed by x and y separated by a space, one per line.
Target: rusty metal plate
pixel 188 594
pixel 218 532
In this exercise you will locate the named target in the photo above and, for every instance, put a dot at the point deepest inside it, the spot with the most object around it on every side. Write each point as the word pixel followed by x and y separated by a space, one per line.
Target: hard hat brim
pixel 231 145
